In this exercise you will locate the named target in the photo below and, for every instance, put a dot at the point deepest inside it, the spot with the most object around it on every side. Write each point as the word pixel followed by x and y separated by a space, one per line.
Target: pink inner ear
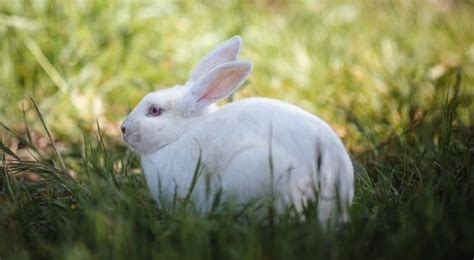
pixel 215 90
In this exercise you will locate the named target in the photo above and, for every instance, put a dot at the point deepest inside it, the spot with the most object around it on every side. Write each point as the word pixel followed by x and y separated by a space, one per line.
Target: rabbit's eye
pixel 154 110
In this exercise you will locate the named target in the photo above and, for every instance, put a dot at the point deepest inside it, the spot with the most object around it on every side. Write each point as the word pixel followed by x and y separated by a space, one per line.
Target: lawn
pixel 395 79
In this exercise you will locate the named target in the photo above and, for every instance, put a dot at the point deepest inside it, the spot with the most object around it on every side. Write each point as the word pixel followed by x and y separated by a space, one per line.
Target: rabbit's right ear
pixel 227 51
pixel 215 85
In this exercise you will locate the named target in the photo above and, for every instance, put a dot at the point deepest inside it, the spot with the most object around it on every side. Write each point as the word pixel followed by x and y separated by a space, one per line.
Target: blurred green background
pixel 86 60
pixel 394 78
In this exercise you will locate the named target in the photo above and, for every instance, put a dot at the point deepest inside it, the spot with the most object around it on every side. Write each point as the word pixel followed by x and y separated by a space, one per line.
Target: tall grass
pixel 394 78
pixel 414 195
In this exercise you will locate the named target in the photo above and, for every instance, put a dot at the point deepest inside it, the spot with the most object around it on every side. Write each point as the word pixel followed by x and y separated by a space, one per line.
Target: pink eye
pixel 154 110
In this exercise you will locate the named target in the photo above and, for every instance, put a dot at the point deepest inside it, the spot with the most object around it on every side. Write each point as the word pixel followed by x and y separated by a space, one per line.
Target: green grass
pixel 394 78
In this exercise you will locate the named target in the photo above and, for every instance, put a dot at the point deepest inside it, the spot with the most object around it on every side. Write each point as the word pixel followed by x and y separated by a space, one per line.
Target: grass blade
pixel 44 63
pixel 63 165
pixel 10 192
pixel 27 128
pixel 197 173
pixel 7 150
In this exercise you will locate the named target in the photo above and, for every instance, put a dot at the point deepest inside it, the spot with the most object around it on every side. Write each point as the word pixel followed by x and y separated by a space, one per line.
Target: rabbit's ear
pixel 217 84
pixel 225 52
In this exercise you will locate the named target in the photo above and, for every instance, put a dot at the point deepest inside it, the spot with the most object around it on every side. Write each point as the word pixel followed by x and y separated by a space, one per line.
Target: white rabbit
pixel 248 148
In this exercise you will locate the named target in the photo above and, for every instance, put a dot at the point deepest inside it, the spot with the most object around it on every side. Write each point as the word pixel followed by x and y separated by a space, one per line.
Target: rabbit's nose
pixel 123 129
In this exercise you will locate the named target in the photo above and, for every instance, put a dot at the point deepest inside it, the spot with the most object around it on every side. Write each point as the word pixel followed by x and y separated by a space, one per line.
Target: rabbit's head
pixel 163 116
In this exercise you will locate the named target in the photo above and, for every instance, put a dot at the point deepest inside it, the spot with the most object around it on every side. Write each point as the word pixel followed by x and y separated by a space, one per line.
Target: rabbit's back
pixel 260 121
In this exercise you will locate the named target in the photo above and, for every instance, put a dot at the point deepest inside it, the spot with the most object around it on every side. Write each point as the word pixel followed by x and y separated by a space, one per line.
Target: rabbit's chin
pixel 133 143
pixel 133 149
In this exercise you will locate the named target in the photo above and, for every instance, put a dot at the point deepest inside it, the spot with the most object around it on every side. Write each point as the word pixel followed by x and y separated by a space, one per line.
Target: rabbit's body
pixel 281 142
pixel 247 150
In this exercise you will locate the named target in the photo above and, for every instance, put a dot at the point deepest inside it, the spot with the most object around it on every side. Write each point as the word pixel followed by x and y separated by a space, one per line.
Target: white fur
pixel 248 149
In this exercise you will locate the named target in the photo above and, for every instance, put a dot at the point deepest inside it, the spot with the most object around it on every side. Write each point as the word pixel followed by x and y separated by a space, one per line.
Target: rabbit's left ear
pixel 215 85
pixel 227 51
